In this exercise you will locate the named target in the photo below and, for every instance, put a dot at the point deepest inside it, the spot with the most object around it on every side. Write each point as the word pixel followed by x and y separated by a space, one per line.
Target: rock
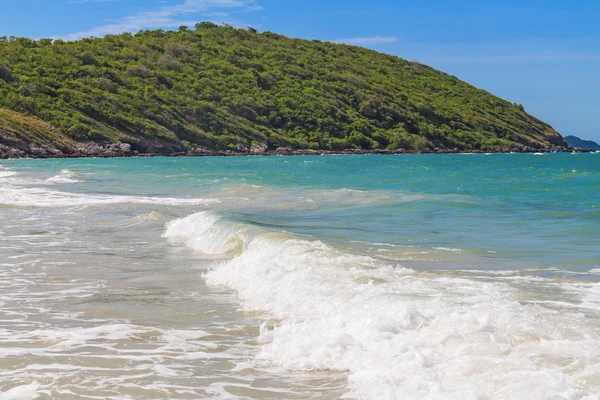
pixel 259 148
pixel 90 150
pixel 15 153
pixel 357 151
pixel 36 151
pixel 241 148
pixel 175 147
pixel 284 151
pixel 125 148
pixel 144 146
pixel 201 151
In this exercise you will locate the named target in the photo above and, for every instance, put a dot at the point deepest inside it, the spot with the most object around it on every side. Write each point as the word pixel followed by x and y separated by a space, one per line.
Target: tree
pixel 206 25
pixel 5 73
pixel 45 42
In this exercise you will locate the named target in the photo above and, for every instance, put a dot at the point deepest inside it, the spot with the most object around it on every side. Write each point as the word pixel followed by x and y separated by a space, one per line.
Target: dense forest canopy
pixel 220 87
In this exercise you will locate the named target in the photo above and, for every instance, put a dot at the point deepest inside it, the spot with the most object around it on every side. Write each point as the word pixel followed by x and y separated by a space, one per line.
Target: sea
pixel 463 276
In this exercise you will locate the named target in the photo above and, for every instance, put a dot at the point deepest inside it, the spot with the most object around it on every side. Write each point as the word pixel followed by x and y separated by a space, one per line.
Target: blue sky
pixel 542 54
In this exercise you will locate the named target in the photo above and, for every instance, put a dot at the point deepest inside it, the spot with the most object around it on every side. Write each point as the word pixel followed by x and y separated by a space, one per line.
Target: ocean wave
pixel 202 232
pixel 295 198
pixel 65 176
pixel 6 174
pixel 19 196
pixel 265 196
pixel 398 333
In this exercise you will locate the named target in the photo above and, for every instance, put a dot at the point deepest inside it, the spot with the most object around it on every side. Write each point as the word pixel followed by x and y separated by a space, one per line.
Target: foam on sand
pixel 23 392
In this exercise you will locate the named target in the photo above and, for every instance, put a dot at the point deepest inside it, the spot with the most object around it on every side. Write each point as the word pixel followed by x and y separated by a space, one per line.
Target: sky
pixel 542 54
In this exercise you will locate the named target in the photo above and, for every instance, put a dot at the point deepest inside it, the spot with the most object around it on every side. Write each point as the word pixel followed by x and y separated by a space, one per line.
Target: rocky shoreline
pixel 107 150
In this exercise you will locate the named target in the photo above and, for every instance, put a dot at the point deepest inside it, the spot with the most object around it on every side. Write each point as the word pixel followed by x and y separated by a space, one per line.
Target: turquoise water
pixel 536 209
pixel 413 276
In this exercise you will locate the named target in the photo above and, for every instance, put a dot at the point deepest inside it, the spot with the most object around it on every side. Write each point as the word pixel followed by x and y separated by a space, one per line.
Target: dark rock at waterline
pixel 102 150
pixel 259 148
pixel 9 152
pixel 241 148
pixel 84 150
pixel 149 148
pixel 284 151
pixel 156 147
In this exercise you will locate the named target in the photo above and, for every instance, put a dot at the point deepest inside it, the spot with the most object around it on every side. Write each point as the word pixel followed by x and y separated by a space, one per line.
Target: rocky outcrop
pixel 283 151
pixel 82 150
pixel 102 150
pixel 11 152
pixel 145 146
pixel 107 149
pixel 259 148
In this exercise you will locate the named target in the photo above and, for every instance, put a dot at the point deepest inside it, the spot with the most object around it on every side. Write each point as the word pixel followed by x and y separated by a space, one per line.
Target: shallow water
pixel 364 277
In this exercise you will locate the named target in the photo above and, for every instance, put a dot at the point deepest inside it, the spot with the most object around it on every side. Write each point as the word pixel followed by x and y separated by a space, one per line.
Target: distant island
pixel 574 141
pixel 219 90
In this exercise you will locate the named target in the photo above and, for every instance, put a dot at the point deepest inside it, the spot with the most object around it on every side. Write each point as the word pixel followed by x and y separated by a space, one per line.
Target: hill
pixel 222 88
pixel 574 141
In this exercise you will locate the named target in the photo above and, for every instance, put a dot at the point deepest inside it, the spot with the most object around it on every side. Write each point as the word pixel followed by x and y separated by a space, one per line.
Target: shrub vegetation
pixel 219 87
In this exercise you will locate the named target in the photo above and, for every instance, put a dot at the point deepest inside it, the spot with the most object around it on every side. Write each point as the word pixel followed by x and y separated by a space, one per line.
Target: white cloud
pixel 368 41
pixel 166 17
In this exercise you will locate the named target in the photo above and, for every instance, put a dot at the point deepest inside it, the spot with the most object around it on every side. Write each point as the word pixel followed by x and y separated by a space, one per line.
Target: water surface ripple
pixel 363 277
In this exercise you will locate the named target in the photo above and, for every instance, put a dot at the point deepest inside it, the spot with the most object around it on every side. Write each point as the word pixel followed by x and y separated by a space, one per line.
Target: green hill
pixel 225 88
pixel 574 141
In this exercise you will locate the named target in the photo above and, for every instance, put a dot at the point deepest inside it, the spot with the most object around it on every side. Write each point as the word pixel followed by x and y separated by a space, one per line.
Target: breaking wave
pixel 65 176
pixel 399 333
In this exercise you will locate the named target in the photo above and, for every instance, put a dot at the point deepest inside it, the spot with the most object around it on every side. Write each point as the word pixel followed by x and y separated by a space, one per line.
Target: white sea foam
pixel 452 250
pixel 65 176
pixel 201 232
pixel 15 191
pixel 538 154
pixel 591 299
pixel 7 174
pixel 588 294
pixel 399 334
pixel 109 336
pixel 23 392
pixel 14 195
